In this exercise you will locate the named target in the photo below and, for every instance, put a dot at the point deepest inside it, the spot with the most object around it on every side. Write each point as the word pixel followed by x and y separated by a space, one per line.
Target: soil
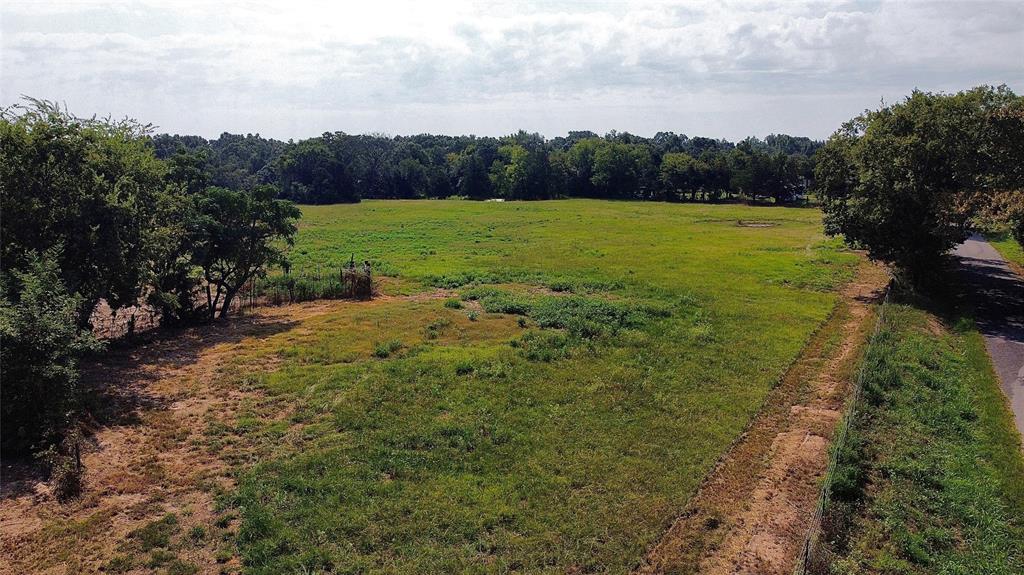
pixel 147 455
pixel 150 457
pixel 752 513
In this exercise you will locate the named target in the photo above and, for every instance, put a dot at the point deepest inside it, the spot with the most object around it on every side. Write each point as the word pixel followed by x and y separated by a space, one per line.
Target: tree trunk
pixel 229 296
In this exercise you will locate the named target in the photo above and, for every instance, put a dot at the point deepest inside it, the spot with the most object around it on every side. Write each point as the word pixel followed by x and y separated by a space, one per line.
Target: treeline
pixel 89 214
pixel 338 167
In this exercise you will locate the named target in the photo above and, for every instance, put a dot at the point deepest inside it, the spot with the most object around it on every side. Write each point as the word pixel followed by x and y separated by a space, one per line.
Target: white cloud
pixel 297 68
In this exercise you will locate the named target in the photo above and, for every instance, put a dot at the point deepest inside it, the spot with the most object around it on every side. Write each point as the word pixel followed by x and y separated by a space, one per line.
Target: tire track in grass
pixel 751 512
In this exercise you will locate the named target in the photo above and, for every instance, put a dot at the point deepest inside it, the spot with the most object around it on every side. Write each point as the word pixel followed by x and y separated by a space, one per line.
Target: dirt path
pixel 150 456
pixel 998 297
pixel 752 512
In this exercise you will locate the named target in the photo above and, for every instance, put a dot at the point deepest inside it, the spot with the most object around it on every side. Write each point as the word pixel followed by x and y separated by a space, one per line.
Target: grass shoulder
pixel 1010 249
pixel 931 478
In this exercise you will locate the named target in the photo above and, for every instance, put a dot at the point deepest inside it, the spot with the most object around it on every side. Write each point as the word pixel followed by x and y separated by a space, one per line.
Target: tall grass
pixel 344 283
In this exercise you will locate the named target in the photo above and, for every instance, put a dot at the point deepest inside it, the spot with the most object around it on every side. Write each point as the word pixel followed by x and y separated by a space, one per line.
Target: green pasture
pixel 541 389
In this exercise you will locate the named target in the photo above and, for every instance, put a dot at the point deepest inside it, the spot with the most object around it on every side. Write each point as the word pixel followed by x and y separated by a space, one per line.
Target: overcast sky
pixel 294 69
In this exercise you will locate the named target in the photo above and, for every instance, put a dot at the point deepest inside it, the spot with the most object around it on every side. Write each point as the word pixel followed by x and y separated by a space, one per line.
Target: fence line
pixel 811 544
pixel 304 285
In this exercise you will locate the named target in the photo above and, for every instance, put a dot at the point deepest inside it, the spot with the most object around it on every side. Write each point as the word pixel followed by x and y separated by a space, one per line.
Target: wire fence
pixel 347 282
pixel 812 559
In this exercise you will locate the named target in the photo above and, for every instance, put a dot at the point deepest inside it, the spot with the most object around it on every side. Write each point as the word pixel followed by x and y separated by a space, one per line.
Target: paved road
pixel 999 309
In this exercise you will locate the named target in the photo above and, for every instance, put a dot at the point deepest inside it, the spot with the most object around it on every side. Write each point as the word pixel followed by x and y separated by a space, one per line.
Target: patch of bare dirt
pixel 149 455
pixel 752 512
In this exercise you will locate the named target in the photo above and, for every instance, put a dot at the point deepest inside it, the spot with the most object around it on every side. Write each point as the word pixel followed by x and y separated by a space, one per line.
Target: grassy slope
pixel 1009 248
pixel 461 452
pixel 932 480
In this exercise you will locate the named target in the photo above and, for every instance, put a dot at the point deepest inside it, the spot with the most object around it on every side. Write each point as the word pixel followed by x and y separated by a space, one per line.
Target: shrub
pixel 452 303
pixel 589 317
pixel 160 557
pixel 543 346
pixel 197 534
pixel 435 328
pixel 347 284
pixel 39 357
pixel 179 567
pixel 580 315
pixel 65 467
pixel 224 554
pixel 119 564
pixel 505 302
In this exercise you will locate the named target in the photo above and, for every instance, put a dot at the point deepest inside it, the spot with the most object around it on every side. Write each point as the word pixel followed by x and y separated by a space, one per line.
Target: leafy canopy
pixel 900 180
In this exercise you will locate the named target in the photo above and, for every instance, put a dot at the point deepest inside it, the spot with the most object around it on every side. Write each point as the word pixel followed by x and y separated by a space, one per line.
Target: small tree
pixel 239 234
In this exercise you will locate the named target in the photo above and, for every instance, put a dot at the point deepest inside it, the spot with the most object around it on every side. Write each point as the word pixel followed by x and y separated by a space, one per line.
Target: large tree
pixel 680 174
pixel 85 188
pixel 317 171
pixel 523 171
pixel 895 180
pixel 622 170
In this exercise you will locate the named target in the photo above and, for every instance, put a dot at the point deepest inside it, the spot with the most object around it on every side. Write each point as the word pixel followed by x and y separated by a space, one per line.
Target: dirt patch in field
pixel 150 454
pixel 752 512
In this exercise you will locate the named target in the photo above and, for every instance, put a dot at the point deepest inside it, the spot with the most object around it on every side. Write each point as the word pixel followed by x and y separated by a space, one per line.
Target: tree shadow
pixel 996 297
pixel 116 386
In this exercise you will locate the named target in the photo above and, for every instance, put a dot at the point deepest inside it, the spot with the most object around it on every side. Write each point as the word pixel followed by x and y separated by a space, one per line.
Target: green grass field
pixel 552 412
pixel 932 478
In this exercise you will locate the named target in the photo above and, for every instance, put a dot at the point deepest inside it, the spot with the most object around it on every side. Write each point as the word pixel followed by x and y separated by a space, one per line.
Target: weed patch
pixel 385 349
pixel 156 533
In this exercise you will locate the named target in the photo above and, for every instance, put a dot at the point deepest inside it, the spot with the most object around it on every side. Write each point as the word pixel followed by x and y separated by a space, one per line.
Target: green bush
pixel 39 357
pixel 581 315
pixel 119 564
pixel 179 567
pixel 543 346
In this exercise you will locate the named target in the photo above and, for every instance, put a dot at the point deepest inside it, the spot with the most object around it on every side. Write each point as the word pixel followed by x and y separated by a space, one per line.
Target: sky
pixel 297 68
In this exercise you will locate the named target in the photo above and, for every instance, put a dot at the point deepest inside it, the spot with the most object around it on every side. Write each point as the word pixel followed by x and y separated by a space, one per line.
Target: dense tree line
pixel 910 181
pixel 337 167
pixel 91 213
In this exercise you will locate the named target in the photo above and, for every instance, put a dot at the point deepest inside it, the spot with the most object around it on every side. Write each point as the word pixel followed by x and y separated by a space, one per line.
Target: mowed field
pixel 541 387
